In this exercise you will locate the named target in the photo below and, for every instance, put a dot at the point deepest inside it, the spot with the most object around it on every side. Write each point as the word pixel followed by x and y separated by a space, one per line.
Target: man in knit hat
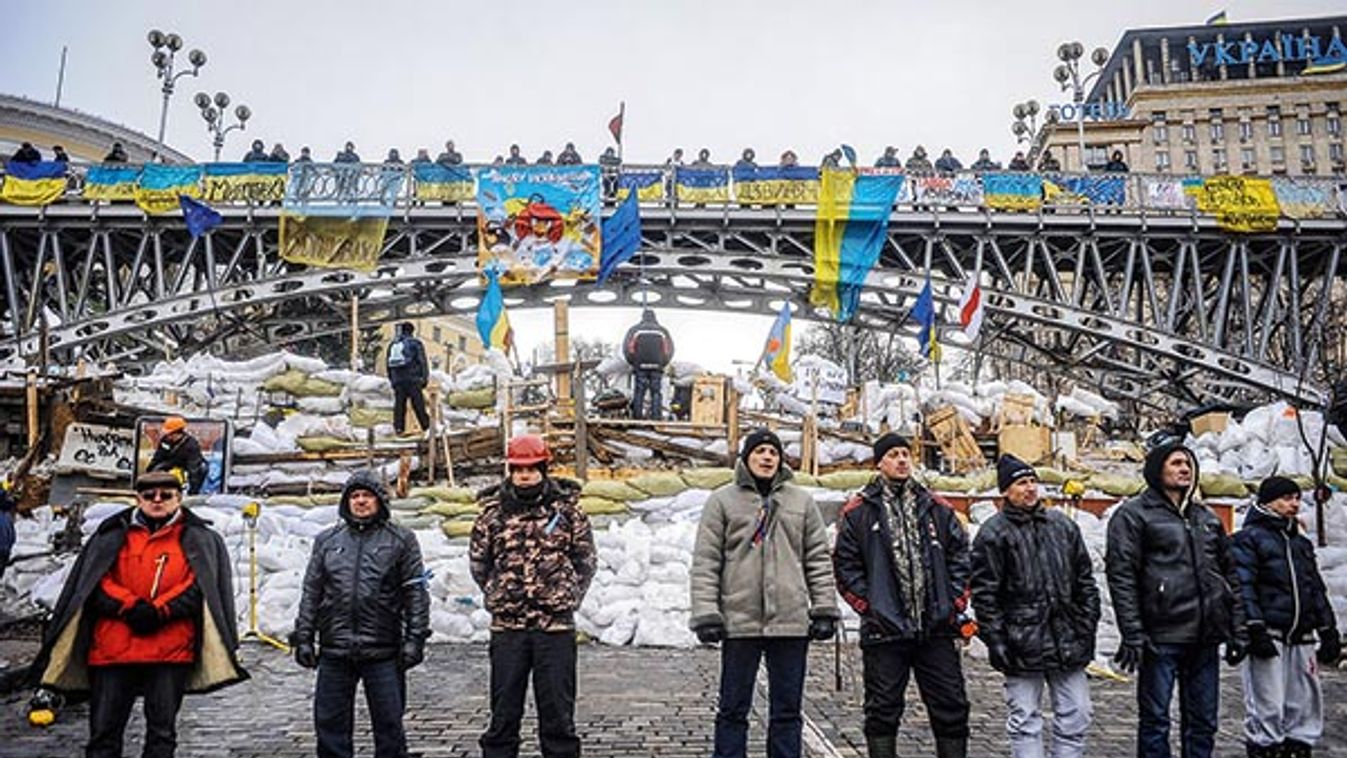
pixel 761 585
pixel 901 562
pixel 1174 590
pixel 1287 605
pixel 1037 608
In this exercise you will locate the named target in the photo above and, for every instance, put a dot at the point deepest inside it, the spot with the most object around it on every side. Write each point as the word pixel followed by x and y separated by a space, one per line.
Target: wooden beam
pixel 562 352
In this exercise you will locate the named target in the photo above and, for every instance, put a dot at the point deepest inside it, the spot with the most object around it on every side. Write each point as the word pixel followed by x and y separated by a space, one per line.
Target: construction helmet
pixel 174 424
pixel 527 450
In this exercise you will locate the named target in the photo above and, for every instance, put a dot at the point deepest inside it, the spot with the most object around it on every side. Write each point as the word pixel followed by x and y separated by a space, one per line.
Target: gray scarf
pixel 900 510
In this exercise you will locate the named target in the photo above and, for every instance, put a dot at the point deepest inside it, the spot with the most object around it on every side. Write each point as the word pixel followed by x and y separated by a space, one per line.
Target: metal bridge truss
pixel 1152 310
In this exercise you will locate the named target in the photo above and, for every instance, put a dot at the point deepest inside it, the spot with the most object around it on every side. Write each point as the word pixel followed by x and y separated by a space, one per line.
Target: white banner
pixel 97 450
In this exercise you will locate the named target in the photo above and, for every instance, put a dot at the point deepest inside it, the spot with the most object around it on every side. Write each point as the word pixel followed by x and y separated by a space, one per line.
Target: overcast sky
pixel 724 74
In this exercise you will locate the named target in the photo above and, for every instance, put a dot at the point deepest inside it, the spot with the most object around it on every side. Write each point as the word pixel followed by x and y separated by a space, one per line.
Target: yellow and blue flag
pixel 1012 192
pixel 448 184
pixel 253 182
pixel 111 182
pixel 923 312
pixel 702 185
pixel 160 187
pixel 776 185
pixel 647 184
pixel 40 183
pixel 776 351
pixel 493 324
pixel 849 233
pixel 621 237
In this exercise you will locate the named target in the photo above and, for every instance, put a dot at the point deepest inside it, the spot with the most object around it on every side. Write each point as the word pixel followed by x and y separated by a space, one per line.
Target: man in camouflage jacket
pixel 532 554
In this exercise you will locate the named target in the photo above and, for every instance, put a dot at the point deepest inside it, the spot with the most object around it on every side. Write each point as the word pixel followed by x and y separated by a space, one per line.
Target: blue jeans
pixel 334 706
pixel 648 384
pixel 1197 669
pixel 739 660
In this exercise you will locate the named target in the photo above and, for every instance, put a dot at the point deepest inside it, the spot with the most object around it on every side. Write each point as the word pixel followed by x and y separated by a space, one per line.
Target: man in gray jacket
pixel 762 585
pixel 365 601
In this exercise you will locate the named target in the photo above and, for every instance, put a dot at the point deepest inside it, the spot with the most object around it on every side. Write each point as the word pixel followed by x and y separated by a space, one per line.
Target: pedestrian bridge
pixel 1133 296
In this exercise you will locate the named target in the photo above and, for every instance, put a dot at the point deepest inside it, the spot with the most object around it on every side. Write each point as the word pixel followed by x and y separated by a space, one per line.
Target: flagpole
pixel 622 120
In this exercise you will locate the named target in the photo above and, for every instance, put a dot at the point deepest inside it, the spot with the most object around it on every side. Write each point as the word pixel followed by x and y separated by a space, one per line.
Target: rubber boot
pixel 951 747
pixel 881 747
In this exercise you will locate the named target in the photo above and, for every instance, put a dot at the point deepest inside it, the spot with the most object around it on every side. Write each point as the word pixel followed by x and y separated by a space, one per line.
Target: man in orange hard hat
pixel 179 450
pixel 533 555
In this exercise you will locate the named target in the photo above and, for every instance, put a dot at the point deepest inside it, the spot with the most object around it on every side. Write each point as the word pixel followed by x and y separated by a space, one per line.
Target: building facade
pixel 452 342
pixel 1254 98
pixel 85 137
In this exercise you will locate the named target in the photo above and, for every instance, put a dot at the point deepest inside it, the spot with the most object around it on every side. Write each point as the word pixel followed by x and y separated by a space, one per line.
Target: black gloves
pixel 1129 655
pixel 103 604
pixel 305 655
pixel 822 629
pixel 1236 652
pixel 709 633
pixel 1261 644
pixel 143 618
pixel 186 605
pixel 999 656
pixel 1330 646
pixel 413 652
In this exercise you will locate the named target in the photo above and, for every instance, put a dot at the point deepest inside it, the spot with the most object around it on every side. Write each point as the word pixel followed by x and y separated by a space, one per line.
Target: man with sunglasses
pixel 147 610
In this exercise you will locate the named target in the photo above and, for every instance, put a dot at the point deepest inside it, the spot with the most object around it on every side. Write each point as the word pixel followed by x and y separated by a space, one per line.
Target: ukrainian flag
pixel 776 352
pixel 493 324
pixel 111 182
pixel 449 184
pixel 40 183
pixel 648 185
pixel 776 185
pixel 702 185
pixel 1012 192
pixel 849 233
pixel 255 182
pixel 161 185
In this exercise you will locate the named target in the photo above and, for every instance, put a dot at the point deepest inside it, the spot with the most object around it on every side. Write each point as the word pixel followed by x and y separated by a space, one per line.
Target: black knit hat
pixel 1275 488
pixel 1010 469
pixel 887 442
pixel 760 437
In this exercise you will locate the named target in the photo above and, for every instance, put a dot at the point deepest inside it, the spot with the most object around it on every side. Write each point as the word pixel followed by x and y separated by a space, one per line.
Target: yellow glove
pixel 41 717
pixel 1073 488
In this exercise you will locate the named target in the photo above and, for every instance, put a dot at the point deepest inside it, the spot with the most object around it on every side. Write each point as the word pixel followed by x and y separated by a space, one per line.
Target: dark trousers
pixel 550 658
pixel 739 660
pixel 1197 669
pixel 334 706
pixel 939 672
pixel 403 392
pixel 647 382
pixel 113 691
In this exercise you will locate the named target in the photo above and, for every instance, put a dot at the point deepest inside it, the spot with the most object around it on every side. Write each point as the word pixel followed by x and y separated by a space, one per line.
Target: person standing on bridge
pixel 258 153
pixel 901 560
pixel 1175 594
pixel 179 452
pixel 761 585
pixel 1037 609
pixel 408 373
pixel 532 553
pixel 648 349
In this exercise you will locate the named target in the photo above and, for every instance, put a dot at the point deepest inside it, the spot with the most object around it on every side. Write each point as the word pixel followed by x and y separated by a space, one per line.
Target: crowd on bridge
pixel 148 608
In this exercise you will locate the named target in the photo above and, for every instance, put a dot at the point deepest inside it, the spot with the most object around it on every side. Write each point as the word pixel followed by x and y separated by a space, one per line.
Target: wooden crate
pixel 708 400
pixel 1210 422
pixel 1016 410
pixel 956 442
pixel 1029 443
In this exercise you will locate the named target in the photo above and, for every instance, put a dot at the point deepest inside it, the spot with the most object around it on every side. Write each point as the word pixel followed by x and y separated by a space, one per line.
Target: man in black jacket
pixel 901 561
pixel 179 450
pixel 1174 590
pixel 366 607
pixel 408 373
pixel 1037 608
pixel 1288 609
pixel 647 348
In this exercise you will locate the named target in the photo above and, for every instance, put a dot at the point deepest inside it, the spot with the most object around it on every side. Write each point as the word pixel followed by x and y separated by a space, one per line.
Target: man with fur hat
pixel 1287 604
pixel 364 616
pixel 761 586
pixel 1037 608
pixel 1174 590
pixel 532 553
pixel 901 561
pixel 146 611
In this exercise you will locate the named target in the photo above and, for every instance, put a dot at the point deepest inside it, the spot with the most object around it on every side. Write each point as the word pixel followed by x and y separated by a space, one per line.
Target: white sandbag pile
pixel 1266 441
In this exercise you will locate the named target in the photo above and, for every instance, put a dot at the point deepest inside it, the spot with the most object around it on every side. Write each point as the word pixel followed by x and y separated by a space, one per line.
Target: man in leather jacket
pixel 365 604
pixel 1037 609
pixel 647 348
pixel 1174 590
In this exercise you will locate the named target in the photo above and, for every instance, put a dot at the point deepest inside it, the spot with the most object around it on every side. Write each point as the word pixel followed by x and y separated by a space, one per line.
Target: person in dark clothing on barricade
pixel 179 451
pixel 408 373
pixel 258 153
pixel 648 349
pixel 1175 594
pixel 901 561
pixel 364 616
pixel 1037 609
pixel 26 154
pixel 532 553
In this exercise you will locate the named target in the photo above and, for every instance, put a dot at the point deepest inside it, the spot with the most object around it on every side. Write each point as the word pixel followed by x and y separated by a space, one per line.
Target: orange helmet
pixel 174 424
pixel 527 450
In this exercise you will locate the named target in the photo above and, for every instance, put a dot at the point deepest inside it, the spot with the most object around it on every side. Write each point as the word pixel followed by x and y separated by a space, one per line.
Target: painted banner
pixel 39 183
pixel 100 451
pixel 702 185
pixel 333 242
pixel 160 185
pixel 1167 195
pixel 215 436
pixel 111 182
pixel 244 182
pixel 1012 192
pixel 1084 190
pixel 538 222
pixel 649 185
pixel 1240 204
pixel 343 189
pixel 962 189
pixel 1304 198
pixel 850 228
pixel 776 185
pixel 447 184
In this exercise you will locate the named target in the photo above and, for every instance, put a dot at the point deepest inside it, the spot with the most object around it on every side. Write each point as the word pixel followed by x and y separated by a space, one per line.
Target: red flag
pixel 615 125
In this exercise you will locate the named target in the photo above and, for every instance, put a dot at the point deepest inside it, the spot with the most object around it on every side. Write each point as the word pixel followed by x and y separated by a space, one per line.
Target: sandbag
pixel 845 480
pixel 459 527
pixel 322 444
pixel 804 480
pixel 941 483
pixel 610 489
pixel 1048 475
pixel 365 417
pixel 450 494
pixel 1117 486
pixel 711 478
pixel 659 484
pixel 595 506
pixel 300 384
pixel 1222 485
pixel 476 399
pixel 450 509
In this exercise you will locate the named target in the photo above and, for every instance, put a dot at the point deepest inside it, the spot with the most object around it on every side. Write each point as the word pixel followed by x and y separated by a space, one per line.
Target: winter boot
pixel 881 747
pixel 1296 749
pixel 1254 750
pixel 951 747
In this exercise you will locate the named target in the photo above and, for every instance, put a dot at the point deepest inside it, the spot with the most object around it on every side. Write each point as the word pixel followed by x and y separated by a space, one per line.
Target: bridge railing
pixel 390 186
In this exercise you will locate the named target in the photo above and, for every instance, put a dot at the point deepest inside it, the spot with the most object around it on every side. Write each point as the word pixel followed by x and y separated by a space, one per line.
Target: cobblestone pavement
pixel 631 703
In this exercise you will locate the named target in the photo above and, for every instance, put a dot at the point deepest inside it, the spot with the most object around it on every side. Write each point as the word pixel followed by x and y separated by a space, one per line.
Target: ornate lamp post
pixel 166 47
pixel 214 113
pixel 1025 124
pixel 1068 76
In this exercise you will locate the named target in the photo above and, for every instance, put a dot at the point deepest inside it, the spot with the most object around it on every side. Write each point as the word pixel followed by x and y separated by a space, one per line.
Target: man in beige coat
pixel 762 585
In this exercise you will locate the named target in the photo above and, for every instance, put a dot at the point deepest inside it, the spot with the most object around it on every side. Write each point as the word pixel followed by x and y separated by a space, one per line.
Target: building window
pixel 1245 131
pixel 1277 153
pixel 437 334
pixel 1217 131
pixel 1303 127
pixel 1307 155
pixel 1162 161
pixel 1190 160
pixel 1334 124
pixel 1246 156
pixel 1335 152
pixel 1216 114
pixel 1096 155
pixel 1218 157
pixel 1161 133
pixel 1189 133
pixel 462 343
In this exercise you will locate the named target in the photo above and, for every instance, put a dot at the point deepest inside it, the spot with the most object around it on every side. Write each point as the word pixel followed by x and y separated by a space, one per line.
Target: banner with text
pixel 538 222
pixel 343 189
pixel 332 242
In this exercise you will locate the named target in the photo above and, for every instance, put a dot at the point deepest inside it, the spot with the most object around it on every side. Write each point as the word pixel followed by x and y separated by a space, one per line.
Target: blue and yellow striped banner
pixel 160 186
pixel 111 182
pixel 1012 192
pixel 648 185
pixel 776 185
pixel 40 183
pixel 449 184
pixel 244 182
pixel 849 232
pixel 702 185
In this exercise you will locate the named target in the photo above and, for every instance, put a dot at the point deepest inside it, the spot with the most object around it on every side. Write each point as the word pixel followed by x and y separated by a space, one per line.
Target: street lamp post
pixel 166 47
pixel 1068 76
pixel 1025 125
pixel 214 113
